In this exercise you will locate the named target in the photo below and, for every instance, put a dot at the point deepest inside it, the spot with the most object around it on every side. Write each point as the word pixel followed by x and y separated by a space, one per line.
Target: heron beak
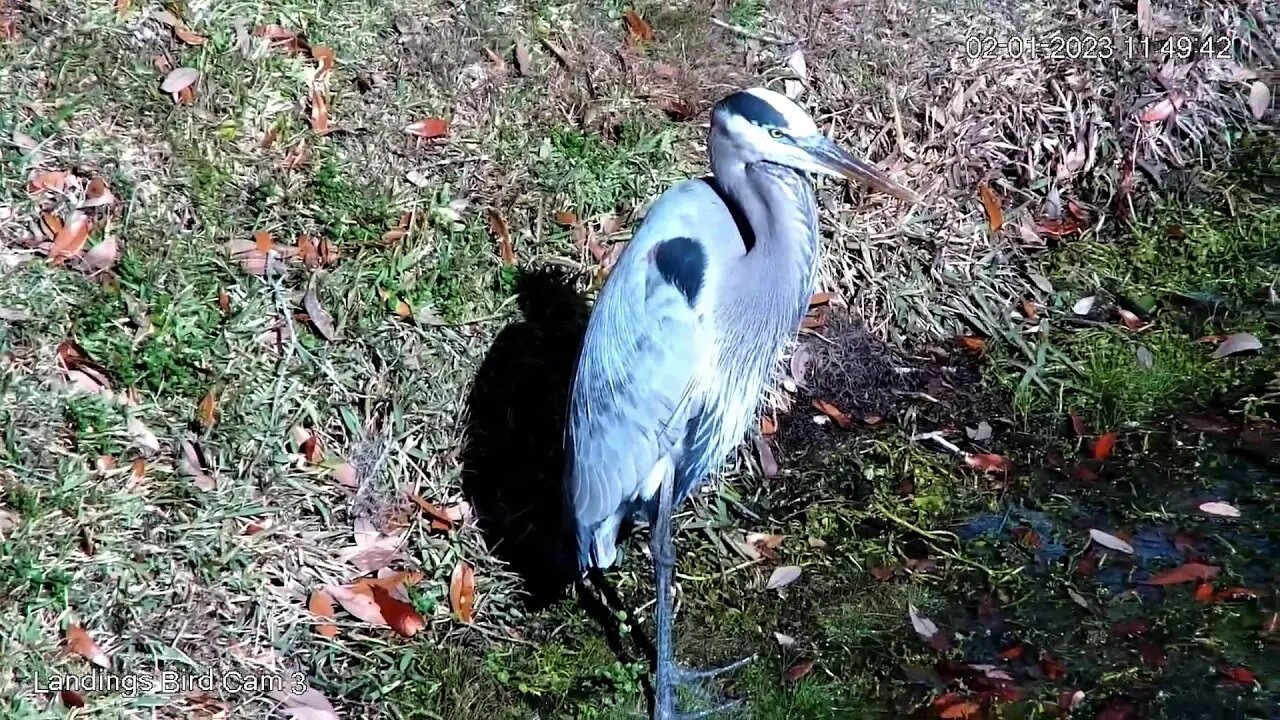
pixel 835 160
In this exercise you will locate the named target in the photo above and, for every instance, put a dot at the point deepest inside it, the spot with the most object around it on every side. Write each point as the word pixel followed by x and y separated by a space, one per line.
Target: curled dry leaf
pixel 498 226
pixel 1110 541
pixel 70 238
pixel 79 642
pixel 991 203
pixel 324 56
pixel 430 128
pixel 180 79
pixel 319 112
pixel 637 27
pixel 1220 508
pixel 833 412
pixel 321 605
pixel 320 318
pixel 207 410
pixel 462 592
pixel 782 577
pixel 1190 572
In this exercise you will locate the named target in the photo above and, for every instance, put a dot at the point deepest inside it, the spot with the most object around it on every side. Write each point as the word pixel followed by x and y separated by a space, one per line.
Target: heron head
pixel 760 125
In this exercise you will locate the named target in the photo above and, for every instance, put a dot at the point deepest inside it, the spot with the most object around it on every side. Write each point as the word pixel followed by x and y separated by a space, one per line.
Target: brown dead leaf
pixel 79 642
pixel 961 710
pixel 462 592
pixel 429 129
pixel 798 669
pixel 189 36
pixel 768 426
pixel 97 194
pixel 357 601
pixel 320 318
pixel 71 698
pixel 399 615
pixel 821 298
pixel 498 226
pixel 991 203
pixel 437 515
pixel 312 450
pixel 277 34
pixel 324 56
pixel 321 605
pixel 523 61
pixel 54 180
pixel 1190 572
pixel 988 462
pixel 1104 445
pixel 837 416
pixel 70 238
pixel 179 79
pixel 1029 310
pixel 972 344
pixel 224 301
pixel 637 27
pixel 319 112
pixel 207 410
pixel 1161 110
pixel 566 218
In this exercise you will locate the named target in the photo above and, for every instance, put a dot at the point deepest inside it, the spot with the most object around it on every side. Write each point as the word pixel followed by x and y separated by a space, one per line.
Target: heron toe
pixel 686 675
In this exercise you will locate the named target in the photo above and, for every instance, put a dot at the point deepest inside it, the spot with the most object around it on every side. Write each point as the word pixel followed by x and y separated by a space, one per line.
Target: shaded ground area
pixel 298 333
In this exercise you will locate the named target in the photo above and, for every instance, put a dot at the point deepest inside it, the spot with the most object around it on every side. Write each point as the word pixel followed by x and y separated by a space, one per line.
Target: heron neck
pixel 778 207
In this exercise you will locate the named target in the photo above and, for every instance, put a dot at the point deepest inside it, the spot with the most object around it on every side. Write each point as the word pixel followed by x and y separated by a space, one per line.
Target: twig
pixel 753 34
pixel 936 436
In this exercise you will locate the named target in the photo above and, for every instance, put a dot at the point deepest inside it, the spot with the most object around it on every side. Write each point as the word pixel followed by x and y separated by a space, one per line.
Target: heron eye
pixel 775 133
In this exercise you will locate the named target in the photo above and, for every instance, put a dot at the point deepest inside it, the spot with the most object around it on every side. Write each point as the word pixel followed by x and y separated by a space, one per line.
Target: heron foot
pixel 687 675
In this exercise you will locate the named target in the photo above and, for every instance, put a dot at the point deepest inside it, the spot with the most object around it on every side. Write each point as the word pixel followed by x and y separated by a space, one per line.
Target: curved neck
pixel 776 211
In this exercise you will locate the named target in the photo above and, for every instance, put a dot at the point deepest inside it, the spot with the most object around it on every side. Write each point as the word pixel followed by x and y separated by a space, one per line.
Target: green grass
pixel 591 175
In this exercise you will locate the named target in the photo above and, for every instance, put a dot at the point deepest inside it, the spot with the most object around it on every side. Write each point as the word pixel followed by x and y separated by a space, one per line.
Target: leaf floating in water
pixel 1110 541
pixel 1220 508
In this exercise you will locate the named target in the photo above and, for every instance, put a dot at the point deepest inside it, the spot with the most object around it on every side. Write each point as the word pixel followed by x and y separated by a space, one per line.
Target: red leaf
pixel 1204 593
pixel 429 128
pixel 1103 446
pixel 798 669
pixel 1050 666
pixel 399 615
pixel 1012 653
pixel 1191 572
pixel 71 698
pixel 1239 674
pixel 321 605
pixel 991 203
pixel 988 462
pixel 833 412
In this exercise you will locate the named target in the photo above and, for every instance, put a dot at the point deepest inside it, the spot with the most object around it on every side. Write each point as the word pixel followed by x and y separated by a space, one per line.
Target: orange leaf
pixel 319 113
pixel 137 472
pixel 262 242
pixel 639 29
pixel 189 36
pixel 358 601
pixel 224 301
pixel 1204 592
pixel 969 343
pixel 988 462
pixel 324 56
pixel 462 591
pixel 1029 309
pixel 1103 446
pixel 1240 675
pixel 1191 572
pixel 961 710
pixel 400 615
pixel 566 218
pixel 995 215
pixel 79 642
pixel 53 180
pixel 97 194
pixel 186 96
pixel 275 33
pixel 1131 321
pixel 768 426
pixel 432 510
pixel 429 128
pixel 498 226
pixel 821 298
pixel 321 605
pixel 70 238
pixel 206 412
pixel 833 412
pixel 1158 111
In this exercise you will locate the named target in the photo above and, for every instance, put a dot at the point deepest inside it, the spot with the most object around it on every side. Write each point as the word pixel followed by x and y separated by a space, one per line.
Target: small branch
pixel 753 34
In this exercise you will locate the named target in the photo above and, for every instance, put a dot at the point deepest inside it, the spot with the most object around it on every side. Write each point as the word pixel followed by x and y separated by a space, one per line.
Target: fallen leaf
pixel 1240 675
pixel 321 605
pixel 798 669
pixel 768 426
pixel 883 573
pixel 1204 592
pixel 833 412
pixel 1083 305
pixel 79 642
pixel 1107 540
pixel 70 238
pixel 1029 309
pixel 186 96
pixel 319 317
pixel 924 627
pixel 991 203
pixel 189 36
pixel 433 511
pixel 206 411
pixel 523 60
pixel 319 112
pixel 980 433
pixel 1130 320
pixel 137 473
pixel 768 463
pixel 1236 593
pixel 359 603
pixel 821 298
pixel 498 226
pixel 1190 572
pixel 1259 98
pixel 324 56
pixel 1220 508
pixel 346 474
pixel 1051 667
pixel 179 79
pixel 399 615
pixel 1103 446
pixel 784 640
pixel 141 435
pixel 191 465
pixel 960 710
pixel 969 343
pixel 782 577
pixel 429 128
pixel 103 255
pixel 637 27
pixel 312 450
pixel 566 218
pixel 54 180
pixel 1237 343
pixel 988 462
pixel 462 592
pixel 275 33
pixel 1159 111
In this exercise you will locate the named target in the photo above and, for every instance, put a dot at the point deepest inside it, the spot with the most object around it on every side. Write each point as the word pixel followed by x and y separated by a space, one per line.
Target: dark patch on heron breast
pixel 752 108
pixel 682 262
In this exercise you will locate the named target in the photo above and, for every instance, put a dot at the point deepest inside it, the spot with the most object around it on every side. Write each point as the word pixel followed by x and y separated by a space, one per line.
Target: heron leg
pixel 664 564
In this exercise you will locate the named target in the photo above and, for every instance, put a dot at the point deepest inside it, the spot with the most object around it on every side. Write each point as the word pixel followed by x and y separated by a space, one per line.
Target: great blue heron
pixel 686 332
